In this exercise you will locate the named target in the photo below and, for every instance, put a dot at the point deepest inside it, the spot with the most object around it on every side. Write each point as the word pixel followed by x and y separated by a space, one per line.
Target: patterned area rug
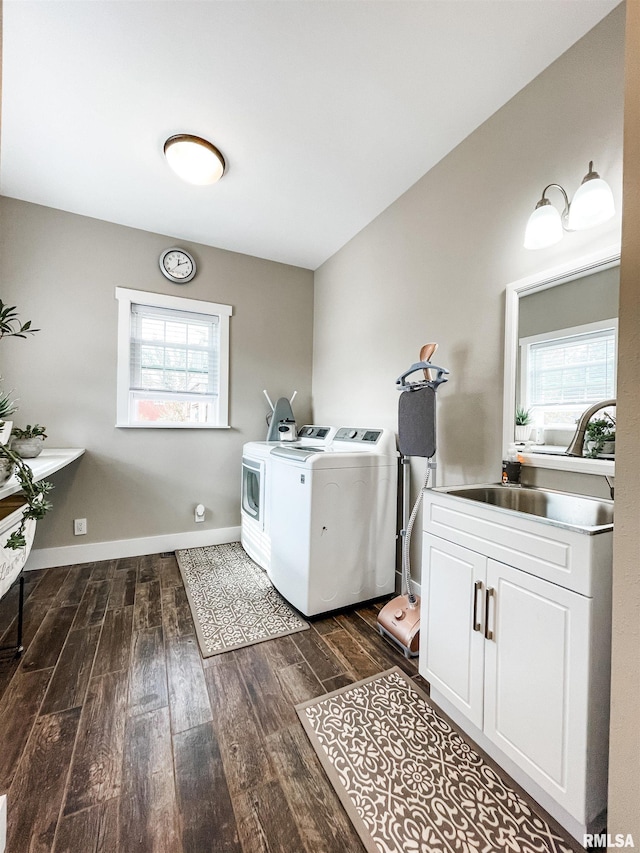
pixel 409 782
pixel 232 599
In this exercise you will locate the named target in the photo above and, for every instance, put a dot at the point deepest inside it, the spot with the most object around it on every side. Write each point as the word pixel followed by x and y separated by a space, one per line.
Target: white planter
pixel 523 431
pixel 5 431
pixel 6 469
pixel 12 560
pixel 28 448
pixel 608 447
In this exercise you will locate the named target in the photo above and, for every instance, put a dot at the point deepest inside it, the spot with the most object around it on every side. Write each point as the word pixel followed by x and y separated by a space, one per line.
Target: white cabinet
pixel 451 645
pixel 536 680
pixel 522 665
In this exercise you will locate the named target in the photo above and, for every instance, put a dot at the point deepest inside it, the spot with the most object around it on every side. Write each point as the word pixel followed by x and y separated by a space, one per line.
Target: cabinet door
pixel 536 680
pixel 451 638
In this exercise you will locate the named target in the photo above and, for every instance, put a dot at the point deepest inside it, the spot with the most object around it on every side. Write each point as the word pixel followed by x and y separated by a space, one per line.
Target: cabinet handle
pixel 489 635
pixel 477 626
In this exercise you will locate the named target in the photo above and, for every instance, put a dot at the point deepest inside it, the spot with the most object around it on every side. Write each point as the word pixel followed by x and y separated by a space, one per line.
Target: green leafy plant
pixel 7 405
pixel 34 492
pixel 35 431
pixel 10 325
pixel 523 416
pixel 599 431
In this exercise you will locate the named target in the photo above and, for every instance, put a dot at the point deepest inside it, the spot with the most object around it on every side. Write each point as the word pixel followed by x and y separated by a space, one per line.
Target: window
pixel 565 374
pixel 173 361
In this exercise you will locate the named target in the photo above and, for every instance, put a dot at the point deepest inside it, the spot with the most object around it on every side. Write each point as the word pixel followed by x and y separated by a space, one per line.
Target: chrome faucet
pixel 577 442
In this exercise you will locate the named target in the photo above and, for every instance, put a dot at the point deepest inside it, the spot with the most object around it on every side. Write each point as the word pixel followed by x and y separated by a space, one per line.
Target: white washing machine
pixel 255 505
pixel 333 520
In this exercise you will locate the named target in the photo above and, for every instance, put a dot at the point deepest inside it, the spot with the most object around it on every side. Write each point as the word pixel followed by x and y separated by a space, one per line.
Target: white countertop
pixel 50 460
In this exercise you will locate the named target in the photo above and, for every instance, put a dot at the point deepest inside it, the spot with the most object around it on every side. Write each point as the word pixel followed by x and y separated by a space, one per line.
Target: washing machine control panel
pixel 314 431
pixel 365 436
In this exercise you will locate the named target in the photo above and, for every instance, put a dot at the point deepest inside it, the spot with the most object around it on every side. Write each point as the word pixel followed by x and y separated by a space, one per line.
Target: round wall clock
pixel 177 265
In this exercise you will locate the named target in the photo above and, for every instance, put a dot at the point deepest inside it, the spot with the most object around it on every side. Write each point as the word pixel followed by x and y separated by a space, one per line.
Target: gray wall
pixel 61 271
pixel 434 265
pixel 576 303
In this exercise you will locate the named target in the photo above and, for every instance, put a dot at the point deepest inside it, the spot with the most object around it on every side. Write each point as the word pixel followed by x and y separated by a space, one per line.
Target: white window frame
pixel 557 334
pixel 126 297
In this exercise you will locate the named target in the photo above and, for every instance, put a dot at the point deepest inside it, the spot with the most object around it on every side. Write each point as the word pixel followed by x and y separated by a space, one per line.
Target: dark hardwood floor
pixel 116 737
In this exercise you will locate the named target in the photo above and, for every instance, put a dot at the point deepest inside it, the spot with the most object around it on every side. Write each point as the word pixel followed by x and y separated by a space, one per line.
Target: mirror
pixel 560 359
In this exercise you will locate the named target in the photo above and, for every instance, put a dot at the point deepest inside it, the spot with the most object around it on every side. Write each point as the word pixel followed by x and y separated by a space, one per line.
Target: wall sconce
pixel 194 159
pixel 591 205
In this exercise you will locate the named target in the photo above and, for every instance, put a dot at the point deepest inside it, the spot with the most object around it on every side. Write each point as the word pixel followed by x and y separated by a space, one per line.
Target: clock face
pixel 177 265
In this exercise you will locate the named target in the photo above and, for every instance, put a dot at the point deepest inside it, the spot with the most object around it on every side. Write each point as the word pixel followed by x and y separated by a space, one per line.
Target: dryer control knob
pixel 399 614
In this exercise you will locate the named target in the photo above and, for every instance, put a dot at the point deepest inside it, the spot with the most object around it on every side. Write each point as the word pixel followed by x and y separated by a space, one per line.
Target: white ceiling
pixel 326 110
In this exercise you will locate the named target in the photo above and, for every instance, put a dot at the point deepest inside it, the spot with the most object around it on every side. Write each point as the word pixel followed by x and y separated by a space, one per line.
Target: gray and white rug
pixel 232 600
pixel 412 784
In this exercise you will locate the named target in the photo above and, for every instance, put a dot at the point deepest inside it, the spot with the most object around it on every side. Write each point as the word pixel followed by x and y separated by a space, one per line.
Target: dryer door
pixel 253 489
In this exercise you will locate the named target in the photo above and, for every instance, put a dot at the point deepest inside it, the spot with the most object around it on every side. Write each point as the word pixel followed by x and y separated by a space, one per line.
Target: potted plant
pixel 6 463
pixel 523 423
pixel 600 436
pixel 28 442
pixel 7 408
pixel 34 493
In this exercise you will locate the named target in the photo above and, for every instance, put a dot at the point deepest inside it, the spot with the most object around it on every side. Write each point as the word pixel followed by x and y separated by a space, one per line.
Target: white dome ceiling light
pixel 194 159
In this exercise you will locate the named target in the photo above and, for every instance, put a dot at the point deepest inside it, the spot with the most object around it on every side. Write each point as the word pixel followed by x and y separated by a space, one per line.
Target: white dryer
pixel 255 505
pixel 333 524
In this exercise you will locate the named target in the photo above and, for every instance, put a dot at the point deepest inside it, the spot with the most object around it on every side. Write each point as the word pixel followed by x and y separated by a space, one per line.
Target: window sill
pixel 173 426
pixel 577 464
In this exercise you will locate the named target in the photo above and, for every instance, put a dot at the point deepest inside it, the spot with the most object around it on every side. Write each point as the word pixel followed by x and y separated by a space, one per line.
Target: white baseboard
pixel 3 823
pixel 71 555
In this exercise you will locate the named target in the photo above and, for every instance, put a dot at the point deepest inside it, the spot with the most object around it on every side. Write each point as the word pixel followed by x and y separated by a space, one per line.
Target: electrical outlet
pixel 198 514
pixel 79 526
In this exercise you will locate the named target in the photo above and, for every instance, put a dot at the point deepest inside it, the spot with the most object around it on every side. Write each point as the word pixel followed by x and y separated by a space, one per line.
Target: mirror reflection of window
pixel 565 372
pixel 567 354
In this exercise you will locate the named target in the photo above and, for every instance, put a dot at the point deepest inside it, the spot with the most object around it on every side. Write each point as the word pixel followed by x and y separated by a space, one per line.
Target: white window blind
pixel 564 375
pixel 578 369
pixel 173 351
pixel 176 370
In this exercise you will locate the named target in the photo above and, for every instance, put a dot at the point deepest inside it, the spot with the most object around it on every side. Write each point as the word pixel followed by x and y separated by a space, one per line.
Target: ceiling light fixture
pixel 194 159
pixel 591 205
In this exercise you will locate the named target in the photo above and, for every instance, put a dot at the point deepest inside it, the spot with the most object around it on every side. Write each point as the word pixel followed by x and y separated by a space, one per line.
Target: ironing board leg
pixel 20 647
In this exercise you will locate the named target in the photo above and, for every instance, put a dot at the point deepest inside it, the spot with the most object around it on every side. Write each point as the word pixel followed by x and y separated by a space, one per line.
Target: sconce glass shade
pixel 194 159
pixel 544 227
pixel 592 203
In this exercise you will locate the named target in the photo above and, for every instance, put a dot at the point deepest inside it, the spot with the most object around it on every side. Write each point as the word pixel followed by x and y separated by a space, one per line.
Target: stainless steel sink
pixel 589 515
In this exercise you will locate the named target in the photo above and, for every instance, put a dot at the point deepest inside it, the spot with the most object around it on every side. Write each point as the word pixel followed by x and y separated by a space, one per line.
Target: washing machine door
pixel 253 489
